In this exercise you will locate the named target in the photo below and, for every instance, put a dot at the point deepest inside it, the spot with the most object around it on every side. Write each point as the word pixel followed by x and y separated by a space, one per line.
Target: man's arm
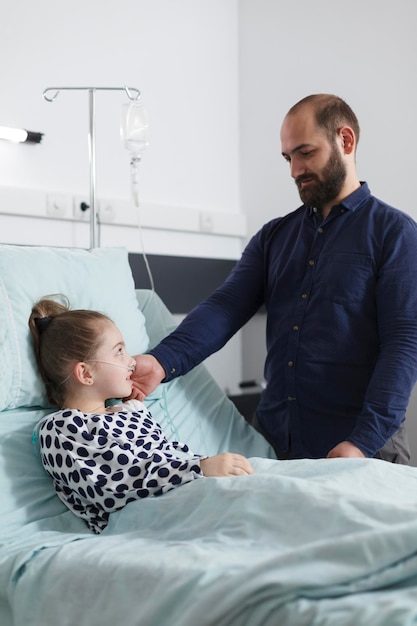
pixel 395 371
pixel 208 326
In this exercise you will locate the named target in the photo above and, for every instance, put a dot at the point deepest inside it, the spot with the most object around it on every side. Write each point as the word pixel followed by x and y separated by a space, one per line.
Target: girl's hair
pixel 63 337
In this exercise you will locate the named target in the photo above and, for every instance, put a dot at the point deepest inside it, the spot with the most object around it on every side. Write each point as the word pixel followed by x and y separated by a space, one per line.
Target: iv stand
pixel 133 94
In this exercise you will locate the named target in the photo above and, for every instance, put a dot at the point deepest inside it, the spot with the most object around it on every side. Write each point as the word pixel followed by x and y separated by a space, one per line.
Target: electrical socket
pixel 206 222
pixel 104 208
pixel 106 211
pixel 58 205
pixel 81 208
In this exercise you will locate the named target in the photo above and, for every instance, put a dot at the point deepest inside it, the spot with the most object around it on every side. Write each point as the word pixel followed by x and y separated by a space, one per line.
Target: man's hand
pixel 226 464
pixel 146 377
pixel 347 450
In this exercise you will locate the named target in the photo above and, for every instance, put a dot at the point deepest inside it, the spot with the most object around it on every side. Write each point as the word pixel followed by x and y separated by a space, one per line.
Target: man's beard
pixel 326 188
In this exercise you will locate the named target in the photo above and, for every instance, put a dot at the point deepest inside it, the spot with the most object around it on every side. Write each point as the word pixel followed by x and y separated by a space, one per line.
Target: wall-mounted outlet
pixel 58 205
pixel 106 211
pixel 206 222
pixel 81 208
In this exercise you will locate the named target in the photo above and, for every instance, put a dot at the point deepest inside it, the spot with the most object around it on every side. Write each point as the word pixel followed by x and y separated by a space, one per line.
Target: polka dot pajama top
pixel 100 462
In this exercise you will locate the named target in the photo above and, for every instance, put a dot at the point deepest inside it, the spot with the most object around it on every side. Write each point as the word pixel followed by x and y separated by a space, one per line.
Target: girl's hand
pixel 226 464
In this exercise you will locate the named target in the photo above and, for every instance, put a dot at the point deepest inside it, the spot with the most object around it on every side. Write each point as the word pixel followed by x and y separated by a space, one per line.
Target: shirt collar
pixel 354 200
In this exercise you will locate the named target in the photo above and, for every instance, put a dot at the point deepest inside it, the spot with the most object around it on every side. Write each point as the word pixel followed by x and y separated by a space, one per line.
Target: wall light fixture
pixel 19 135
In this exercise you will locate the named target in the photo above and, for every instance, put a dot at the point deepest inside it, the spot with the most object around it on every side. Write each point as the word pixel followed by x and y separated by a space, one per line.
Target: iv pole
pixel 133 94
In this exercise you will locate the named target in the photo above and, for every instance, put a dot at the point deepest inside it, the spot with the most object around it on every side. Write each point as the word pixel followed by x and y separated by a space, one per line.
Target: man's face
pixel 324 185
pixel 316 164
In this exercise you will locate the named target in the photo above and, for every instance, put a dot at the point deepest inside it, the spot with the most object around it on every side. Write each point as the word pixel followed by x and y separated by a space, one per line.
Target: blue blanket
pixel 309 542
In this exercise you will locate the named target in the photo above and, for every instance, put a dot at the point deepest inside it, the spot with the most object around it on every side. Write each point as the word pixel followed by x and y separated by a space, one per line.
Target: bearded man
pixel 338 280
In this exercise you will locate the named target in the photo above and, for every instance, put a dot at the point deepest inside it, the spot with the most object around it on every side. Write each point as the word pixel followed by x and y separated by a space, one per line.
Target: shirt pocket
pixel 346 277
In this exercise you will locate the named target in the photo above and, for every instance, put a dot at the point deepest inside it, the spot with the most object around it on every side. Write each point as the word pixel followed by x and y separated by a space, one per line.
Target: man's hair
pixel 331 113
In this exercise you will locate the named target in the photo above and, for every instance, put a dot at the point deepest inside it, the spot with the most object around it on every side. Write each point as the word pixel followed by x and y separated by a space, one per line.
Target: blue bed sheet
pixel 299 542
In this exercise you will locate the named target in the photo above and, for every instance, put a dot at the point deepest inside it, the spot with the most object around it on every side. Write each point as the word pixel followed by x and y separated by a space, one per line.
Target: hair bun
pixel 42 323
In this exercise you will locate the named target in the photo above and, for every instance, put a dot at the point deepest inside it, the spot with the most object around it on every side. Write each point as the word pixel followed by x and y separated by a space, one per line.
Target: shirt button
pixel 173 370
pixel 295 327
pixel 304 296
pixel 290 363
pixel 311 262
pixel 320 230
pixel 314 209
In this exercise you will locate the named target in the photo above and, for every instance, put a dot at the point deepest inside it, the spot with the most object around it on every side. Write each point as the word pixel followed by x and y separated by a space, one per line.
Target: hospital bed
pixel 306 542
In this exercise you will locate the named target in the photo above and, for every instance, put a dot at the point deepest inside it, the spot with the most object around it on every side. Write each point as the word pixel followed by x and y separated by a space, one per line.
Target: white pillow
pixel 99 279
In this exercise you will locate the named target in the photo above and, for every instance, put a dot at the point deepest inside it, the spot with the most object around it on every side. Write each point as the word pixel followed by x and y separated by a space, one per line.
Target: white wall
pixel 182 55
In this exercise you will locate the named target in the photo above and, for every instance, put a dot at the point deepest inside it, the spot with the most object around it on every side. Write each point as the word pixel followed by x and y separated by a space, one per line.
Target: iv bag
pixel 134 127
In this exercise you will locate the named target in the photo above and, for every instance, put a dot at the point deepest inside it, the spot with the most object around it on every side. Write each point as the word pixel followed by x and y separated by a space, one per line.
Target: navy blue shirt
pixel 341 302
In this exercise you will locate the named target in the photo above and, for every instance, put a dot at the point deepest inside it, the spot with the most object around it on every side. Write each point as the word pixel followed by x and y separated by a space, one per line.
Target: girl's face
pixel 113 366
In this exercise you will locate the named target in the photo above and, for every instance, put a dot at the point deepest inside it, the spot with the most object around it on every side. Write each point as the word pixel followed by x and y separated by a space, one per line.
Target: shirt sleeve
pixel 395 372
pixel 214 321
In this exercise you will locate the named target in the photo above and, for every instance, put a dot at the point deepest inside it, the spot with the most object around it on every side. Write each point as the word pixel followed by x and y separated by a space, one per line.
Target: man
pixel 338 279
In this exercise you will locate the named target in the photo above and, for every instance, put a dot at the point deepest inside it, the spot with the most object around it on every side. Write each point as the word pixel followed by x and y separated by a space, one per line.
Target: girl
pixel 100 458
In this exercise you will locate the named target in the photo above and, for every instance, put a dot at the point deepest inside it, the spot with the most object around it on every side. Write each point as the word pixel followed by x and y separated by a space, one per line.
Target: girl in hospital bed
pixel 99 457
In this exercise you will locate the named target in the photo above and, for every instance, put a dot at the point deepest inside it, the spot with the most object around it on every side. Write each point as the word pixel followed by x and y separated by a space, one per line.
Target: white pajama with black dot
pixel 100 462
